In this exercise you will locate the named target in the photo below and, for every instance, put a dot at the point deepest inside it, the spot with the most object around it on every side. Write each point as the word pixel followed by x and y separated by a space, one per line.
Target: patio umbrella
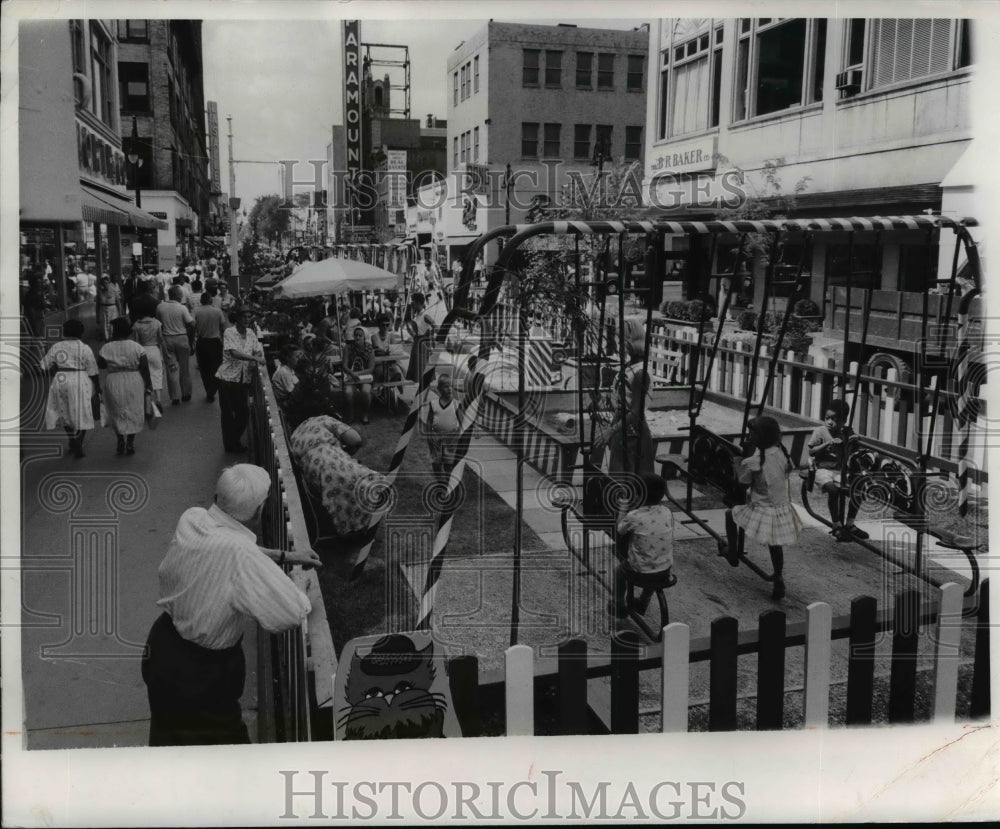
pixel 334 276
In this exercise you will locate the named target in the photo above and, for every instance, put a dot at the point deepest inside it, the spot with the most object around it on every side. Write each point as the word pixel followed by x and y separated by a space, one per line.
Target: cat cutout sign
pixel 392 687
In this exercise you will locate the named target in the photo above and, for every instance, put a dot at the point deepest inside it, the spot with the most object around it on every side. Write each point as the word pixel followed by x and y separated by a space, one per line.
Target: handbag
pixel 95 407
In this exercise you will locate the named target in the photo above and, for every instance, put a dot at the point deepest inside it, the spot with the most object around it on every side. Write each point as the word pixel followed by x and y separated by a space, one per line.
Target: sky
pixel 281 83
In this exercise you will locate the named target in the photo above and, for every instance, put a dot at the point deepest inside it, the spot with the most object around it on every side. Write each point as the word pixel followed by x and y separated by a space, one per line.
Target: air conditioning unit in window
pixel 849 82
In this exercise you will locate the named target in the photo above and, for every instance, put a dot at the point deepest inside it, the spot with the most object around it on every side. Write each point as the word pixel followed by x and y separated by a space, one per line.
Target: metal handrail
pixel 283 676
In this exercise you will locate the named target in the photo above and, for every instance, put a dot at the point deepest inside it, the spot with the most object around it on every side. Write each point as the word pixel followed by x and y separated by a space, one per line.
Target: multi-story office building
pixel 871 116
pixel 161 88
pixel 76 211
pixel 546 100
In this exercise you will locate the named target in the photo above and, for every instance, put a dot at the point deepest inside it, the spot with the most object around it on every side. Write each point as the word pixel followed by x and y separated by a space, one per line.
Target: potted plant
pixel 675 310
pixel 807 309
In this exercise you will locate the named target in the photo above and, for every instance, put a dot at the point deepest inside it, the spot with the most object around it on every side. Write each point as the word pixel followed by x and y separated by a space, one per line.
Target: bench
pixel 878 476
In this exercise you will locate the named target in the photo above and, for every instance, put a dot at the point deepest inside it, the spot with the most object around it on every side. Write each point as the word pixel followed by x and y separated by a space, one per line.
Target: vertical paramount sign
pixel 352 100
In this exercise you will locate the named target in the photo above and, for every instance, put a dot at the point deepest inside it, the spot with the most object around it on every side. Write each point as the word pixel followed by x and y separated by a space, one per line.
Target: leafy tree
pixel 269 218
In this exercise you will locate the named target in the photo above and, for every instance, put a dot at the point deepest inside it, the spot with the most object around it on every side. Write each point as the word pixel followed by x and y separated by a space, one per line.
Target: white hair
pixel 241 489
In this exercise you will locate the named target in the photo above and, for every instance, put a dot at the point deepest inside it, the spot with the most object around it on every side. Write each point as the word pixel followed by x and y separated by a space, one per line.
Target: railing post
pixel 861 661
pixel 903 674
pixel 520 691
pixel 723 675
pixel 625 646
pixel 573 687
pixel 771 671
pixel 675 677
pixel 817 680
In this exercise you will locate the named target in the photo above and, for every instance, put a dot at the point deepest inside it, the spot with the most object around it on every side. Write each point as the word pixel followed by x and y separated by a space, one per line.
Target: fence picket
pixel 520 690
pixel 903 673
pixel 463 678
pixel 771 671
pixel 861 661
pixel 723 675
pixel 674 681
pixel 573 687
pixel 979 705
pixel 625 682
pixel 818 649
pixel 947 653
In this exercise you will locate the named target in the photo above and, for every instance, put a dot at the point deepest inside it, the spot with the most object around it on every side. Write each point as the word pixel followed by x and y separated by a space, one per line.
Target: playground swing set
pixel 711 459
pixel 870 473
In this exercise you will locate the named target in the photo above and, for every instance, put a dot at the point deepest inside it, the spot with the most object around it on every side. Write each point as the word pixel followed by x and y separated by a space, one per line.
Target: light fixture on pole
pixel 136 161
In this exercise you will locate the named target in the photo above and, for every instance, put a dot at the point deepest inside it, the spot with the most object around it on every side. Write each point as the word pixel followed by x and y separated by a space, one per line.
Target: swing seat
pixel 649 585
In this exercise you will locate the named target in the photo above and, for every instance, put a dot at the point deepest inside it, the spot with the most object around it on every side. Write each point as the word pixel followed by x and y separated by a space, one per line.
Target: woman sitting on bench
pixel 647 532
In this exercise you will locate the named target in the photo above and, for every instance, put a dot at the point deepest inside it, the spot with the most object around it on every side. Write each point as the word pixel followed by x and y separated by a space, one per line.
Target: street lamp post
pixel 136 161
pixel 234 205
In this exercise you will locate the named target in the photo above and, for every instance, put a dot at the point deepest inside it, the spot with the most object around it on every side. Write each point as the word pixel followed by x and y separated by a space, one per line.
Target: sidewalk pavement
pixel 94 531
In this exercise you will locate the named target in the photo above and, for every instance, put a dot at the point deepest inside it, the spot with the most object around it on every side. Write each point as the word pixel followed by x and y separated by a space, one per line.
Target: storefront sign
pixel 213 146
pixel 99 157
pixel 684 157
pixel 352 93
pixel 469 212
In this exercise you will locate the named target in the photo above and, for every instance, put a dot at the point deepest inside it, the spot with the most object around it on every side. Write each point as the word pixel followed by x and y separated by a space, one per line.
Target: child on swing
pixel 826 450
pixel 769 516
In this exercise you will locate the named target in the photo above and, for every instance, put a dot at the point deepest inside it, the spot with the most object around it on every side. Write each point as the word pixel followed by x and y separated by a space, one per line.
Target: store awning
pixel 460 240
pixel 107 209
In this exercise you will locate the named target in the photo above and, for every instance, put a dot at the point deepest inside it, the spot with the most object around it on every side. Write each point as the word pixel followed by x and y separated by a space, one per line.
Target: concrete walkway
pixel 94 531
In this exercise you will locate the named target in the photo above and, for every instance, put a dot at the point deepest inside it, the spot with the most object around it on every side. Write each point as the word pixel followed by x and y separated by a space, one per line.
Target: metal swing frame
pixel 870 470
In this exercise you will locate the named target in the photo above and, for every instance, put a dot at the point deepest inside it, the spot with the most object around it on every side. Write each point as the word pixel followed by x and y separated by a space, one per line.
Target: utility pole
pixel 234 205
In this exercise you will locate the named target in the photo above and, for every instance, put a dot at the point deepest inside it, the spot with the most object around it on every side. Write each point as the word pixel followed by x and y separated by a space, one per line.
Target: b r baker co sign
pixel 689 157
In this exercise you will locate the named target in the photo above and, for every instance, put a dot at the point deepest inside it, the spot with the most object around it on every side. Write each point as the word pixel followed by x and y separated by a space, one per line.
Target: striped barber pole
pixel 540 363
pixel 967 402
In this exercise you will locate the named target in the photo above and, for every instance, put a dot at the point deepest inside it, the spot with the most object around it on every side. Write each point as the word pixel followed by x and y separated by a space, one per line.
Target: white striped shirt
pixel 214 578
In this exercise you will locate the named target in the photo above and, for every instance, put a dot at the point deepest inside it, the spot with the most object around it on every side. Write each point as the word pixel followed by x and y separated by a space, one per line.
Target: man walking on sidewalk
pixel 241 352
pixel 209 325
pixel 178 331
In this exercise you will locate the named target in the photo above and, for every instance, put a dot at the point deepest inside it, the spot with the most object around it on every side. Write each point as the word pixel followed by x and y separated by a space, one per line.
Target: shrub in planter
pixel 747 320
pixel 698 310
pixel 674 309
pixel 806 308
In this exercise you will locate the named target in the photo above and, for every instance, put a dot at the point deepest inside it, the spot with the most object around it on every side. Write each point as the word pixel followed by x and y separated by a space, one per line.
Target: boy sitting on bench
pixel 647 532
pixel 826 448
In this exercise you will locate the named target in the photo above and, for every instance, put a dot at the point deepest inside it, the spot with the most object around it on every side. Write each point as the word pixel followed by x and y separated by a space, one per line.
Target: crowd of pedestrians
pixel 150 325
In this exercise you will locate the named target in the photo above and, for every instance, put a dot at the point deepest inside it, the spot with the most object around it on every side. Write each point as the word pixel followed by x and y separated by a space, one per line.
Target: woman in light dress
pixel 74 386
pixel 125 384
pixel 148 332
pixel 108 303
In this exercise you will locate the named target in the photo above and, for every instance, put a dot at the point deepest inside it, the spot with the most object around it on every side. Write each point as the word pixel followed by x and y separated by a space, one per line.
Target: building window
pixel 916 272
pixel 779 65
pixel 455 90
pixel 553 68
pixel 529 140
pixel 581 141
pixel 551 148
pixel 79 44
pixel 634 77
pixel 584 70
pixel 529 75
pixel 465 147
pixel 606 70
pixel 475 73
pixel 863 268
pixel 906 49
pixel 133 86
pixel 454 145
pixel 103 103
pixel 475 144
pixel 603 144
pixel 633 143
pixel 133 30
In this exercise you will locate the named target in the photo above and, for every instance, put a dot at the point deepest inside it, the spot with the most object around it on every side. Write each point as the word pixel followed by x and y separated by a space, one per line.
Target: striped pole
pixel 966 414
